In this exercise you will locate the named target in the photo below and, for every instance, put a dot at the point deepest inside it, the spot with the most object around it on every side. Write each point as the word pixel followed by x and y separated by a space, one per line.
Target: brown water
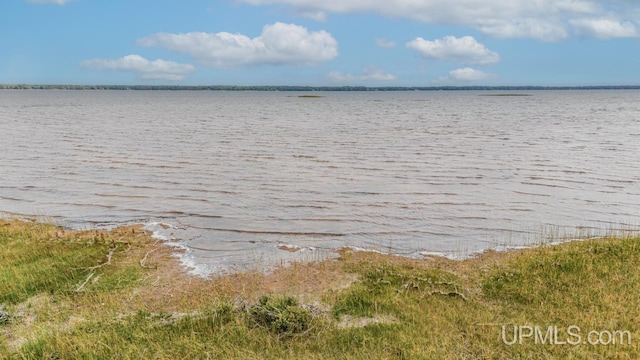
pixel 236 174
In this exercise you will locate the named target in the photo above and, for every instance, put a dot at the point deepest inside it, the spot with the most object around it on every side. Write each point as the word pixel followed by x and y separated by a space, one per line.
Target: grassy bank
pixel 121 294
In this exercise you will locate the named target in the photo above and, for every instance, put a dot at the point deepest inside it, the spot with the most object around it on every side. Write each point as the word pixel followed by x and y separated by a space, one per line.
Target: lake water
pixel 234 176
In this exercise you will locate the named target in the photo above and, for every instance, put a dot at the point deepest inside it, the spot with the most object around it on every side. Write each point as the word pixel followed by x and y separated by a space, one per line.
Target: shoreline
pixel 122 293
pixel 161 231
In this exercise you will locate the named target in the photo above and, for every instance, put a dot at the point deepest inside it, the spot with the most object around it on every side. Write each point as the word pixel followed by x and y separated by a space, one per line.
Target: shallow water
pixel 236 174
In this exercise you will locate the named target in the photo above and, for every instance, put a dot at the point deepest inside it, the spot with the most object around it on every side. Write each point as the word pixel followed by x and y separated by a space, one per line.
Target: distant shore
pixel 307 88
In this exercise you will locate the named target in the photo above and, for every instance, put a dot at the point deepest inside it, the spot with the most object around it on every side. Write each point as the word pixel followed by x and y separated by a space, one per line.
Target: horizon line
pixel 310 87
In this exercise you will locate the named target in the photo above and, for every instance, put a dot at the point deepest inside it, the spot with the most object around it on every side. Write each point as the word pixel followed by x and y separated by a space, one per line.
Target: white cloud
pixel 315 15
pixel 338 77
pixel 546 20
pixel 58 2
pixel 604 28
pixel 371 73
pixel 143 68
pixel 468 74
pixel 464 50
pixel 384 43
pixel 541 29
pixel 279 44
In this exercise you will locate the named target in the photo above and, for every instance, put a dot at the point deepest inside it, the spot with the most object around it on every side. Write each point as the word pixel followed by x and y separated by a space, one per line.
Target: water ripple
pixel 236 174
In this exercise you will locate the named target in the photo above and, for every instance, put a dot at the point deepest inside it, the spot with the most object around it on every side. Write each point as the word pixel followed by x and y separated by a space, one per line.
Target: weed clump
pixel 282 315
pixel 5 317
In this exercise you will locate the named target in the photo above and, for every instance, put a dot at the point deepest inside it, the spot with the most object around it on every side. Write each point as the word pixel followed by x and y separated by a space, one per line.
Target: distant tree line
pixel 306 88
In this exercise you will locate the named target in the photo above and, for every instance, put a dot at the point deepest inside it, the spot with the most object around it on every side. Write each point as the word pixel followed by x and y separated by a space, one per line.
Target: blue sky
pixel 330 42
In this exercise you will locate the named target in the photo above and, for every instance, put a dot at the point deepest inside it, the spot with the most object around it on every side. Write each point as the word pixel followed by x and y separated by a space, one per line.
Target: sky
pixel 320 43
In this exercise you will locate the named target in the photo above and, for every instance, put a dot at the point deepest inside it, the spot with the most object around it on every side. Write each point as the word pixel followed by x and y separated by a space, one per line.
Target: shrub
pixel 282 315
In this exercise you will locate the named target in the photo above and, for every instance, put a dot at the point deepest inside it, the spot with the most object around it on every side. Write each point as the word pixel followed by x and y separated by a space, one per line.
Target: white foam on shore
pixel 453 255
pixel 163 232
pixel 361 249
pixel 295 248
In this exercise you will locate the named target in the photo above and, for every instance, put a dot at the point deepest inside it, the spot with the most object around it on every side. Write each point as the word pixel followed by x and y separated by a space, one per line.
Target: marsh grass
pixel 90 295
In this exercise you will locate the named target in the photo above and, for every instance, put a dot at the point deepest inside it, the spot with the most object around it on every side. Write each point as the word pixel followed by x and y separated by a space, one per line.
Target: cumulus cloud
pixel 279 44
pixel 468 74
pixel 370 74
pixel 384 43
pixel 464 50
pixel 143 68
pixel 546 20
pixel 604 28
pixel 57 2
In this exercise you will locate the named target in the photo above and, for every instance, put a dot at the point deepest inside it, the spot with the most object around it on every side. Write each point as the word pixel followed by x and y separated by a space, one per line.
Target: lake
pixel 256 179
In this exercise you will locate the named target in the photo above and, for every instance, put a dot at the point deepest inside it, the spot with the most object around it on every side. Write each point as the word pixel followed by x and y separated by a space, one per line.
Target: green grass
pixel 34 261
pixel 396 309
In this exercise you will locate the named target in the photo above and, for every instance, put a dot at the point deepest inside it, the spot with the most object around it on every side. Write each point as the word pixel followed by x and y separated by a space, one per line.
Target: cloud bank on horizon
pixel 143 68
pixel 453 41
